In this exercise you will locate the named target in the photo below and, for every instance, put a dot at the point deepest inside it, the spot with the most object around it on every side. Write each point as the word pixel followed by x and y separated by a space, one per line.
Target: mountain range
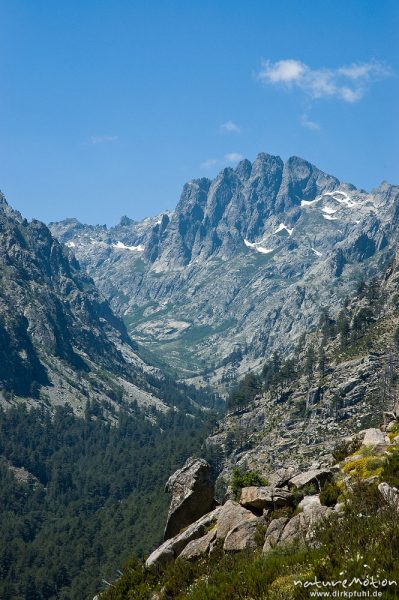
pixel 242 266
pixel 274 285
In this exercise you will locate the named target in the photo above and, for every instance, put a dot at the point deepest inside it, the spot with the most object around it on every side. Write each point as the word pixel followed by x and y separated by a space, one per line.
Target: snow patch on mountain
pixel 122 246
pixel 258 247
pixel 305 203
pixel 283 227
pixel 328 210
pixel 342 198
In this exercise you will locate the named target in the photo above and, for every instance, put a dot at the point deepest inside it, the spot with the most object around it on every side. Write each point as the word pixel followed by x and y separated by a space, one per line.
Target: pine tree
pixel 343 328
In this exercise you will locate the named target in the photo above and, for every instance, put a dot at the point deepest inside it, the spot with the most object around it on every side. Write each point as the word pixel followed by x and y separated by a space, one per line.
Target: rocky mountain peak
pixel 244 169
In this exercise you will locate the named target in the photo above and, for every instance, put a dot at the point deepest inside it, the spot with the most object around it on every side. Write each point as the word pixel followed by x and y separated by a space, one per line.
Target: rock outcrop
pixel 302 526
pixel 173 547
pixel 375 437
pixel 239 526
pixel 259 498
pixel 192 492
pixel 273 533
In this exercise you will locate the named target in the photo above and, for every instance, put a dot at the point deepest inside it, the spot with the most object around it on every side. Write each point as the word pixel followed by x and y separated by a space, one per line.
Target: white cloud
pixel 282 71
pixel 102 139
pixel 348 83
pixel 306 122
pixel 233 157
pixel 230 127
pixel 209 163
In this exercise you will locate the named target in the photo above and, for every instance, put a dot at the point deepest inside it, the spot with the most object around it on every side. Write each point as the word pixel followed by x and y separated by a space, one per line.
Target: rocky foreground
pixel 286 510
pixel 267 539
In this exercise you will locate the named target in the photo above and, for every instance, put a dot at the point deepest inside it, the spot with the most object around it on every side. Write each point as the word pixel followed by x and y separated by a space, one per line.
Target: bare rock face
pixel 282 476
pixel 192 492
pixel 197 539
pixel 302 526
pixel 309 502
pixel 259 498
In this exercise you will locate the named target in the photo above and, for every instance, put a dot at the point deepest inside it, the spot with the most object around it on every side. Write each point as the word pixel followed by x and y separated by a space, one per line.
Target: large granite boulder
pixel 173 547
pixel 197 539
pixel 192 492
pixel 241 537
pixel 200 546
pixel 281 477
pixel 302 526
pixel 309 502
pixel 375 437
pixel 273 533
pixel 258 498
pixel 317 477
pixel 232 514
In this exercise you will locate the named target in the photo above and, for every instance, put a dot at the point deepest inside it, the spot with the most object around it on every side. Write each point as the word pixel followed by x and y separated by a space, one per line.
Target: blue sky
pixel 108 107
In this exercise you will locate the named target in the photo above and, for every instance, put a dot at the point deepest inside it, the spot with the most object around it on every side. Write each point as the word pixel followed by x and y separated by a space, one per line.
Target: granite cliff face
pixel 242 266
pixel 59 339
pixel 342 379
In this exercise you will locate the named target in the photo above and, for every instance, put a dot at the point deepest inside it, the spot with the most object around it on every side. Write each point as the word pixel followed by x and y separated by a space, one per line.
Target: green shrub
pixel 260 535
pixel 390 472
pixel 307 490
pixel 329 494
pixel 345 448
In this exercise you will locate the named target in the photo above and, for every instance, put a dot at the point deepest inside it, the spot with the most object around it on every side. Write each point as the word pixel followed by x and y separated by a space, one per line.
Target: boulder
pixel 375 437
pixel 309 502
pixel 318 477
pixel 390 494
pixel 199 547
pixel 192 492
pixel 230 515
pixel 273 533
pixel 173 547
pixel 259 498
pixel 302 526
pixel 281 477
pixel 241 537
pixel 162 555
